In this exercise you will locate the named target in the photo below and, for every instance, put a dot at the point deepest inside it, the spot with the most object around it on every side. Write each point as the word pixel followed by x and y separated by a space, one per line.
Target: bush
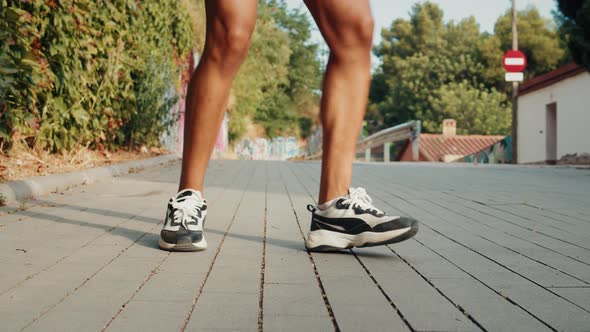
pixel 89 73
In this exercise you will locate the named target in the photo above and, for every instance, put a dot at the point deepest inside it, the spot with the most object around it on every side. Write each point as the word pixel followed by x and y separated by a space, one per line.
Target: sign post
pixel 514 62
pixel 514 83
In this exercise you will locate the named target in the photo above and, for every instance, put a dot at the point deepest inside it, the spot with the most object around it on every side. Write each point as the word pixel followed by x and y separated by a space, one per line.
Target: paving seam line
pixel 263 263
pixel 309 255
pixel 486 257
pixel 471 275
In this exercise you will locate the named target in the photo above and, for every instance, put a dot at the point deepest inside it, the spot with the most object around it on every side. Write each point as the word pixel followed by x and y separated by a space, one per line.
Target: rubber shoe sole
pixel 183 245
pixel 324 240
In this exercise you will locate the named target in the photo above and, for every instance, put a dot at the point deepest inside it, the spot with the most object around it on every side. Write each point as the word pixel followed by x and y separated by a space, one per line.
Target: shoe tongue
pixel 188 192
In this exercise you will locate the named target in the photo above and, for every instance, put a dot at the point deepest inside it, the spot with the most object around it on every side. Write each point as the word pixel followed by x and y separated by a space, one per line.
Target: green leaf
pixel 59 105
pixel 80 115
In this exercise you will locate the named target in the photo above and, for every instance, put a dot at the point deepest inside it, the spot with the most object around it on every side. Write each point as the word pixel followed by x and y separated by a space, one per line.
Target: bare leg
pixel 229 28
pixel 347 27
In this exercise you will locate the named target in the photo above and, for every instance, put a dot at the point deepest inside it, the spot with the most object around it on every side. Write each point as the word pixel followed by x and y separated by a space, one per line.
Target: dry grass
pixel 22 162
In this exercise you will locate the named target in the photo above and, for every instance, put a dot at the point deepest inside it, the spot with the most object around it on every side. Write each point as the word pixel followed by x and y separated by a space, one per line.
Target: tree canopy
pixel 574 21
pixel 431 69
pixel 74 72
pixel 277 85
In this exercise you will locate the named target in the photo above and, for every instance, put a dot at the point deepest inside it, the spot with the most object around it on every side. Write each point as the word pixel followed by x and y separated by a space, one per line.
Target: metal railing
pixel 405 131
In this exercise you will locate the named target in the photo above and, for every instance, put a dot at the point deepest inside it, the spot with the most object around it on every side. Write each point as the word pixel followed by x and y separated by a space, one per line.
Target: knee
pixel 355 38
pixel 237 40
pixel 230 44
pixel 363 31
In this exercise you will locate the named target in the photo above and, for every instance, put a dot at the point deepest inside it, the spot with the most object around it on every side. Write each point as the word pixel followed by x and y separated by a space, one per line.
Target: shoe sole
pixel 186 246
pixel 323 240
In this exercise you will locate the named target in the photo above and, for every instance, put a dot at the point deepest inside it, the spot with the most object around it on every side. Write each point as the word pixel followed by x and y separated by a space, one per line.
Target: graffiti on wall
pixel 499 153
pixel 314 142
pixel 222 142
pixel 173 138
pixel 278 148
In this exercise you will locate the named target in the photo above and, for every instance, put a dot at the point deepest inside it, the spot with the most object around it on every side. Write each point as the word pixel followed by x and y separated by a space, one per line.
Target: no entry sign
pixel 514 62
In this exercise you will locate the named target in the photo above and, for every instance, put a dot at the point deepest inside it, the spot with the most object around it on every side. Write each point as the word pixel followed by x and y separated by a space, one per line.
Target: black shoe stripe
pixel 181 236
pixel 356 225
pixel 341 225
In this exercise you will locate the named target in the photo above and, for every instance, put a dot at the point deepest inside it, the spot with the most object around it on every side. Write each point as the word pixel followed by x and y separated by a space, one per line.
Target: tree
pixel 277 86
pixel 262 74
pixel 476 109
pixel 418 57
pixel 574 21
pixel 490 50
pixel 299 106
pixel 537 39
pixel 429 69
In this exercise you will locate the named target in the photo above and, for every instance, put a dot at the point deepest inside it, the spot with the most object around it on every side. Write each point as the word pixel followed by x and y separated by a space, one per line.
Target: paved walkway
pixel 499 249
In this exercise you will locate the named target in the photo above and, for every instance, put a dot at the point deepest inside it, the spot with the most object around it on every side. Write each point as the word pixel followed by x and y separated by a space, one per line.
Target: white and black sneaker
pixel 183 224
pixel 352 221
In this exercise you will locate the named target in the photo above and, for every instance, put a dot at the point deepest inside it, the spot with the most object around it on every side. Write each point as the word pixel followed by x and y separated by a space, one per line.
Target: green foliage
pixel 263 73
pixel 418 57
pixel 84 72
pixel 276 87
pixel 433 70
pixel 477 109
pixel 574 21
pixel 537 39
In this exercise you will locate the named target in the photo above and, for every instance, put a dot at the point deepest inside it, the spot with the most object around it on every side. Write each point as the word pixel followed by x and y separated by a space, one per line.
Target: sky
pixel 485 11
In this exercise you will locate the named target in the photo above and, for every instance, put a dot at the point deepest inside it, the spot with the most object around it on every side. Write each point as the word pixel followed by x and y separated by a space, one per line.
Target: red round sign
pixel 514 61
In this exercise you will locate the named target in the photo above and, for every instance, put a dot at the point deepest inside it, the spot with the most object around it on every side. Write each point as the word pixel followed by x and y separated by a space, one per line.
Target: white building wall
pixel 572 97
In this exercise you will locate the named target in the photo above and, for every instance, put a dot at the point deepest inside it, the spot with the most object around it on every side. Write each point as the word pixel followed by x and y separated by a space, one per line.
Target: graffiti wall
pixel 173 138
pixel 278 148
pixel 222 142
pixel 499 153
pixel 314 142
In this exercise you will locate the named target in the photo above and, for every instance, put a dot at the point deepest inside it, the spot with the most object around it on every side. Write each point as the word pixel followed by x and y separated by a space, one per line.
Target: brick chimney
pixel 449 127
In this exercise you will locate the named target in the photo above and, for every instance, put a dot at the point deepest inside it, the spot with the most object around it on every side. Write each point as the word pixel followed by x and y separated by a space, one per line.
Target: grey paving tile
pixel 234 287
pixel 170 316
pixel 356 301
pixel 489 309
pixel 292 296
pixel 579 296
pixel 421 304
pixel 69 237
pixel 181 275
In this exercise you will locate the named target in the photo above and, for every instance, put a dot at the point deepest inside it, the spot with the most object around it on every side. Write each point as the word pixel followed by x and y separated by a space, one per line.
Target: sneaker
pixel 183 224
pixel 352 221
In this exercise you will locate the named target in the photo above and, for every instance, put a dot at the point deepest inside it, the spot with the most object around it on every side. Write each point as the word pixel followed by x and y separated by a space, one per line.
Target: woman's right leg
pixel 229 28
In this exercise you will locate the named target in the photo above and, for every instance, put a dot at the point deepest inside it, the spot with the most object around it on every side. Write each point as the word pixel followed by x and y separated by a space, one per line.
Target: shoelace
pixel 359 197
pixel 185 209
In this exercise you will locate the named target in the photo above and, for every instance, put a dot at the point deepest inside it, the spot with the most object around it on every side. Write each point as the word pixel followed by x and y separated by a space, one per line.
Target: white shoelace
pixel 186 208
pixel 359 197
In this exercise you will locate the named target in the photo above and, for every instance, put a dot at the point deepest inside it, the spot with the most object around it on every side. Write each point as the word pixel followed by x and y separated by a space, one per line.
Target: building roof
pixel 550 78
pixel 433 147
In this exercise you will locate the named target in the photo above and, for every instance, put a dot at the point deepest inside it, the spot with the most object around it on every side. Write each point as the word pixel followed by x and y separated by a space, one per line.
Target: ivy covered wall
pixel 84 72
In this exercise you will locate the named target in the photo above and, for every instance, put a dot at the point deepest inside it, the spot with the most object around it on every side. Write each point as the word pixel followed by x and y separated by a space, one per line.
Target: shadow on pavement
pixel 134 234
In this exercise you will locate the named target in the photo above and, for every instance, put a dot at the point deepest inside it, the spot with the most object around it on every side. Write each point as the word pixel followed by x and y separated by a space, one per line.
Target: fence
pixel 406 131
